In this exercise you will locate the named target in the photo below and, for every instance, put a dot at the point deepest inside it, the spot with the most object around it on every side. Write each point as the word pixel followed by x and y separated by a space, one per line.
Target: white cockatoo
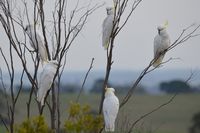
pixel 161 43
pixel 46 80
pixel 37 42
pixel 107 27
pixel 110 109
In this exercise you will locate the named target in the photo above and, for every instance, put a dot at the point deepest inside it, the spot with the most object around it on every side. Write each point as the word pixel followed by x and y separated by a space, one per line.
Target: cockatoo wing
pixel 110 111
pixel 41 48
pixel 107 29
pixel 45 82
pixel 38 42
pixel 160 45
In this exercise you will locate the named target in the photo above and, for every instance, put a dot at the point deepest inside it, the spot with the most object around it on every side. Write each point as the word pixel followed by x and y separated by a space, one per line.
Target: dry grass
pixel 173 118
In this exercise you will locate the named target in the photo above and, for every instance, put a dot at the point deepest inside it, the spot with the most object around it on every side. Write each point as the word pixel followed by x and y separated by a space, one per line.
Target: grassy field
pixel 173 118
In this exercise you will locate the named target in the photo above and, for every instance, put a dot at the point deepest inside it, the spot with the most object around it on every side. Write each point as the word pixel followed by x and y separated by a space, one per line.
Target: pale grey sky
pixel 134 45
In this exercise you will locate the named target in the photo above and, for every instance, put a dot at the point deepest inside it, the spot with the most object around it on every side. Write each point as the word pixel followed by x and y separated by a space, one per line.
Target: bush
pixel 34 125
pixel 82 121
pixel 175 86
pixel 196 124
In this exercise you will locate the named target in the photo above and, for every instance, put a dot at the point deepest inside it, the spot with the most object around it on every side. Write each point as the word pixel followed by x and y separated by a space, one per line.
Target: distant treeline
pixel 173 86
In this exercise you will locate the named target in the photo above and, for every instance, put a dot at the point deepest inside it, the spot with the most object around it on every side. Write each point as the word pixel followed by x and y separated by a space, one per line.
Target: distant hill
pixel 122 77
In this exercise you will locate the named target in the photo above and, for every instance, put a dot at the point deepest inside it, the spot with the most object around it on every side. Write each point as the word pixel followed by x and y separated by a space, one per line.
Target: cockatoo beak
pixel 106 88
pixel 26 28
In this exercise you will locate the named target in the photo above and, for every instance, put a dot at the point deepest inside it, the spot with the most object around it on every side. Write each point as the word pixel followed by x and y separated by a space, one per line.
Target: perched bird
pixel 37 42
pixel 46 80
pixel 110 109
pixel 107 27
pixel 161 43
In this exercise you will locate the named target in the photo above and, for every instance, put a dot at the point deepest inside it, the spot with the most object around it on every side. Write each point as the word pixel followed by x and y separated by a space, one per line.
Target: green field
pixel 173 118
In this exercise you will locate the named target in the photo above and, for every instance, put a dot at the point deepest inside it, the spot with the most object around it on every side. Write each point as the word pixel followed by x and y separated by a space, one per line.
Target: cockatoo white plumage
pixel 107 27
pixel 161 43
pixel 110 109
pixel 46 80
pixel 37 42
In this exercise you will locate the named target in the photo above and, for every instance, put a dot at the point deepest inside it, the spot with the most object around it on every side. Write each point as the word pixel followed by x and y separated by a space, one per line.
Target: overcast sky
pixel 133 48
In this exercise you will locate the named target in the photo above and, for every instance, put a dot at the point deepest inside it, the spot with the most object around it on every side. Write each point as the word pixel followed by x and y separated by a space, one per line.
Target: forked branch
pixel 180 40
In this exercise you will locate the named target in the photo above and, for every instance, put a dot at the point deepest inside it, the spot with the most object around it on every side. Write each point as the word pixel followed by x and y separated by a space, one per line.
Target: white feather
pixel 110 109
pixel 107 28
pixel 53 43
pixel 46 80
pixel 37 41
pixel 161 43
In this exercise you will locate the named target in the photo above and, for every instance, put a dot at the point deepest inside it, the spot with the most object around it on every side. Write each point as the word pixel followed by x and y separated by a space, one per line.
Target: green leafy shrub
pixel 34 125
pixel 82 121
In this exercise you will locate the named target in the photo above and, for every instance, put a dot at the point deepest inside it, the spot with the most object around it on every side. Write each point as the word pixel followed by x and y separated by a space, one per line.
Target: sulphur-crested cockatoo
pixel 37 42
pixel 161 43
pixel 46 80
pixel 107 27
pixel 110 109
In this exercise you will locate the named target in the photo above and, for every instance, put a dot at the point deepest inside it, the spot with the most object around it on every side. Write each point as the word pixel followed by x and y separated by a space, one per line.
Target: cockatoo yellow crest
pixel 166 24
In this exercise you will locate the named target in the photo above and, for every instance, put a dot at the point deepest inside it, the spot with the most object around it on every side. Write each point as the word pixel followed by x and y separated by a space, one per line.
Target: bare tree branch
pixel 177 42
pixel 134 6
pixel 4 123
pixel 152 111
pixel 118 14
pixel 91 65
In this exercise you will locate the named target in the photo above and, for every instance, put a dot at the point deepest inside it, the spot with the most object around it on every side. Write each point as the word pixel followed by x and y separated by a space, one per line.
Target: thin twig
pixel 4 123
pixel 20 88
pixel 147 70
pixel 152 111
pixel 118 14
pixel 91 65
